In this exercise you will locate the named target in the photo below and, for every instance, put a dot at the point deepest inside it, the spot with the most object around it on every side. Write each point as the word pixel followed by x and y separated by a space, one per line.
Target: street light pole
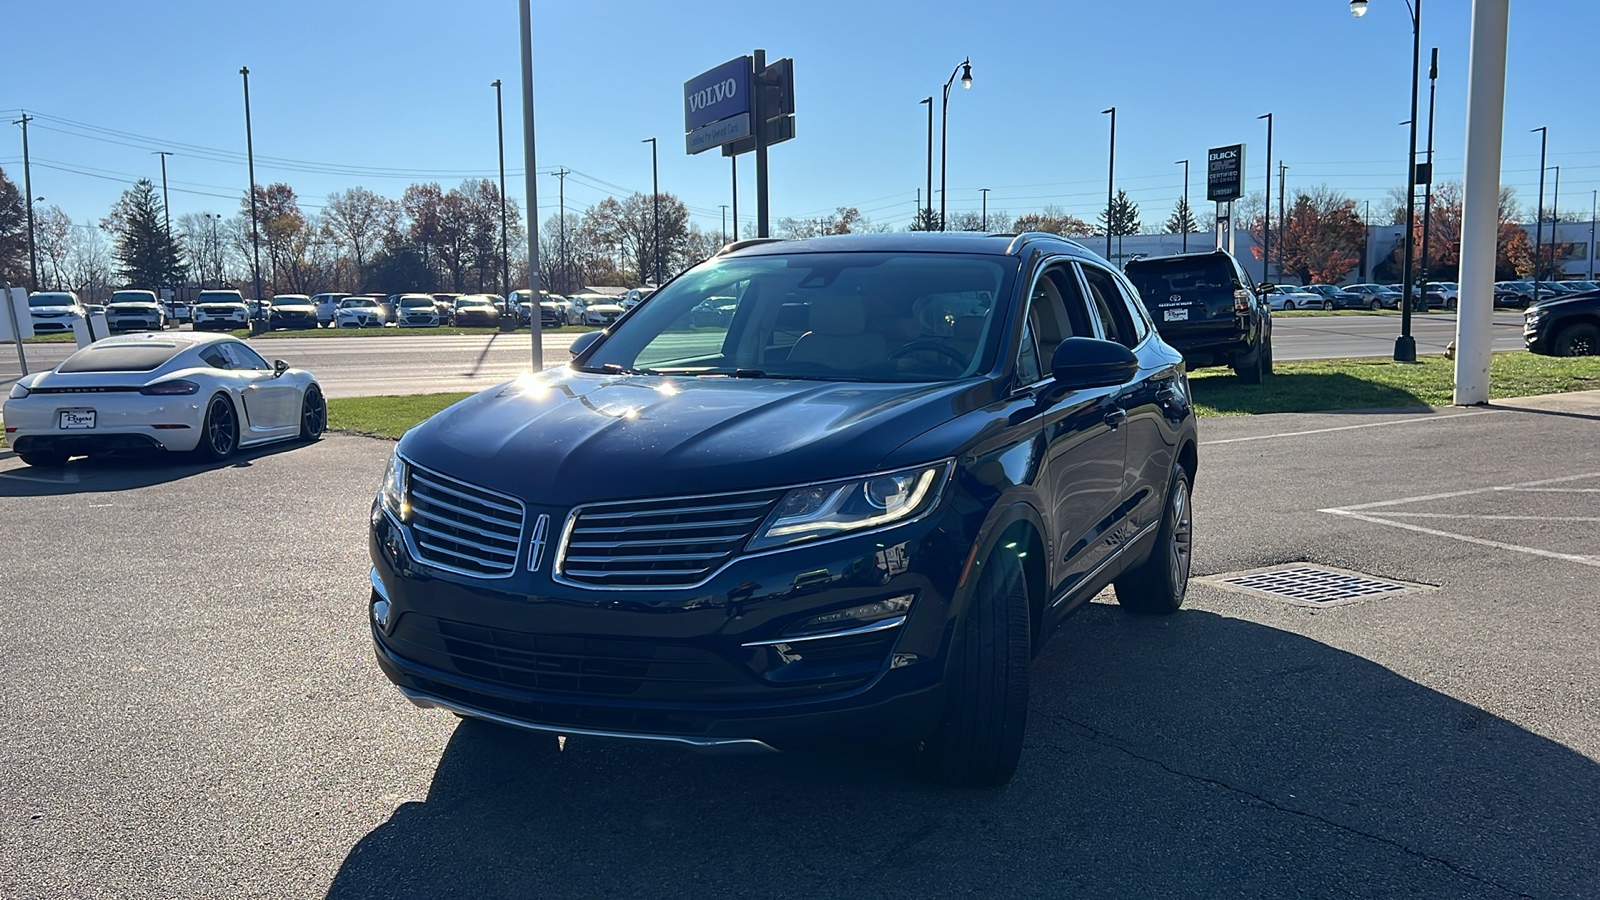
pixel 1538 217
pixel 985 193
pixel 1427 188
pixel 929 101
pixel 965 68
pixel 531 180
pixel 1111 176
pixel 735 197
pixel 1266 208
pixel 250 155
pixel 1594 206
pixel 724 208
pixel 505 227
pixel 1555 219
pixel 1185 222
pixel 1283 174
pixel 563 263
pixel 655 204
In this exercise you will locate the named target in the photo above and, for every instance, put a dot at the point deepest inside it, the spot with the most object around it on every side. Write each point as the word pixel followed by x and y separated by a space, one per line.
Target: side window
pixel 1028 368
pixel 1109 306
pixel 1137 314
pixel 1055 313
pixel 212 356
pixel 243 357
pixel 1244 279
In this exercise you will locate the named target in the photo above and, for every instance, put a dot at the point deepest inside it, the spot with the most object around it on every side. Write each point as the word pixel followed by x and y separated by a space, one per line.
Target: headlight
pixel 18 391
pixel 396 479
pixel 818 512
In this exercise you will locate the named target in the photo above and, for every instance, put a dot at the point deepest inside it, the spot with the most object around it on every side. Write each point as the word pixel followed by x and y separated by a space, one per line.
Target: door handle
pixel 1116 417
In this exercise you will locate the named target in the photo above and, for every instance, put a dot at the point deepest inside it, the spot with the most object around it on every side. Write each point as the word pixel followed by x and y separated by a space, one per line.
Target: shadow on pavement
pixel 1194 756
pixel 106 474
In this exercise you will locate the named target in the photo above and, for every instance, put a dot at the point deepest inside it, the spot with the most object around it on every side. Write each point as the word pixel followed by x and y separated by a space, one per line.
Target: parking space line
pixel 1534 490
pixel 1501 545
pixel 1405 515
pixel 1267 437
pixel 1524 485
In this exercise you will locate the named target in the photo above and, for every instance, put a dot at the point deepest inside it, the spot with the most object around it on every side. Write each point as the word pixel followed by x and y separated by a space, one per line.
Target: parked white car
pixel 135 311
pixel 1449 290
pixel 416 311
pixel 174 391
pixel 326 304
pixel 598 309
pixel 360 312
pixel 220 311
pixel 1282 297
pixel 53 312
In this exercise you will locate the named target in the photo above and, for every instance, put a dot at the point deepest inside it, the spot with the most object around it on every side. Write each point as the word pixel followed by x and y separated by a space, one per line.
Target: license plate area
pixel 76 419
pixel 1175 315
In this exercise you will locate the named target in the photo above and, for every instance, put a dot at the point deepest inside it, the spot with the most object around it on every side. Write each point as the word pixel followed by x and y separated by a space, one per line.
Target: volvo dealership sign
pixel 1225 173
pixel 717 105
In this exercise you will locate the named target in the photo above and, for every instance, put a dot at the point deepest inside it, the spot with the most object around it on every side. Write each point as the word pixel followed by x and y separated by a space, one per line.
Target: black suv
pixel 850 509
pixel 1564 326
pixel 1206 306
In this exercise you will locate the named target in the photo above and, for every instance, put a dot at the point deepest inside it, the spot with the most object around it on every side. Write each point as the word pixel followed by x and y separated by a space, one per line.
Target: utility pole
pixel 1266 208
pixel 1594 206
pixel 1427 188
pixel 1111 177
pixel 655 205
pixel 561 174
pixel 1186 211
pixel 250 155
pixel 530 165
pixel 929 101
pixel 166 204
pixel 985 192
pixel 1555 220
pixel 27 190
pixel 1283 171
pixel 724 207
pixel 505 228
pixel 1538 218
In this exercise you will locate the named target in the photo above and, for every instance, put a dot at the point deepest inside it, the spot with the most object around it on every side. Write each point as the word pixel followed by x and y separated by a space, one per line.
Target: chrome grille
pixel 660 543
pixel 463 528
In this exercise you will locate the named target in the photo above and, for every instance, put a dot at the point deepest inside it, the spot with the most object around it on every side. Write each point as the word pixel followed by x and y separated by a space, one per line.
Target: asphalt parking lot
pixel 190 707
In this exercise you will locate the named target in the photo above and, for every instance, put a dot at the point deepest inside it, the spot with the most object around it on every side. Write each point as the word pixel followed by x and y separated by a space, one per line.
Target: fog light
pixel 380 613
pixel 846 619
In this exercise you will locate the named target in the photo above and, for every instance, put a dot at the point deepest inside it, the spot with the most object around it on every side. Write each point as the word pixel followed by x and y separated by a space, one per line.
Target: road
pixel 421 364
pixel 191 707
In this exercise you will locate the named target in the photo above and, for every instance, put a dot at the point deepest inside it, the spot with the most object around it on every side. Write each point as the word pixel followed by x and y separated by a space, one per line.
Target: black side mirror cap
pixel 582 343
pixel 279 367
pixel 1090 363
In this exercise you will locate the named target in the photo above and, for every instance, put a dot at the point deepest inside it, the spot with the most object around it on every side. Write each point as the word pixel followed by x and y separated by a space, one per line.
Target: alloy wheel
pixel 314 413
pixel 223 428
pixel 1178 553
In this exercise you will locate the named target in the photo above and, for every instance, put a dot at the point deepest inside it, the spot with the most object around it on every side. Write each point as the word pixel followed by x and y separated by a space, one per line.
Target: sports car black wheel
pixel 313 414
pixel 219 433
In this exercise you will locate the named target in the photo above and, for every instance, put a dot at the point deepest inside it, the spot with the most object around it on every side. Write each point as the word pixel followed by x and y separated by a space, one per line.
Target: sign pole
pixel 757 106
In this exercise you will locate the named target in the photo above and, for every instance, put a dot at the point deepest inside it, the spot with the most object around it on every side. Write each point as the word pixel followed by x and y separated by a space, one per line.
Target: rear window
pixel 220 297
pixel 131 357
pixel 1158 279
pixel 50 300
pixel 133 297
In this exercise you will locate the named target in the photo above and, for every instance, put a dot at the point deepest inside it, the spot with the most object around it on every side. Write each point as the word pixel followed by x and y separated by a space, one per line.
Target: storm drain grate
pixel 1314 585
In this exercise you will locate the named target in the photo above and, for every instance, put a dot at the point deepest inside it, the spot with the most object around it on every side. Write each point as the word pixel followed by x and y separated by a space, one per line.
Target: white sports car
pixel 177 391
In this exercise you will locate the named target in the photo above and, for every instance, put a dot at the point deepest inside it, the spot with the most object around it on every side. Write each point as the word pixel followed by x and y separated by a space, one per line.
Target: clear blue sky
pixel 384 93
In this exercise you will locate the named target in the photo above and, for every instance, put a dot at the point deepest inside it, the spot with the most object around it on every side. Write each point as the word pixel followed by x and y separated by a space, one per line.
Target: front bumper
pixel 681 665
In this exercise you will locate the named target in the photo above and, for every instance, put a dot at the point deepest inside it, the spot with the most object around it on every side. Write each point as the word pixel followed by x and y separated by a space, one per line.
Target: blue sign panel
pixel 716 95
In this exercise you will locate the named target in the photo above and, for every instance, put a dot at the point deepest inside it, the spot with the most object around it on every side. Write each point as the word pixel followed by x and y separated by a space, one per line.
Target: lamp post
pixel 929 101
pixel 1111 175
pixel 1594 206
pixel 1427 187
pixel 985 193
pixel 655 204
pixel 735 160
pixel 724 208
pixel 505 228
pixel 1185 222
pixel 530 165
pixel 1405 346
pixel 1555 219
pixel 1266 207
pixel 250 155
pixel 965 68
pixel 1538 217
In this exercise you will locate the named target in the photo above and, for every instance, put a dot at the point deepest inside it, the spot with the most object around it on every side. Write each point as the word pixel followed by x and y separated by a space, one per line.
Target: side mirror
pixel 1090 363
pixel 279 367
pixel 582 343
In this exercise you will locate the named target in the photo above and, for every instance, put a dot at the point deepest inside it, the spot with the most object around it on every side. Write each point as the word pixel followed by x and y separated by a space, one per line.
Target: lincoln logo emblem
pixel 541 534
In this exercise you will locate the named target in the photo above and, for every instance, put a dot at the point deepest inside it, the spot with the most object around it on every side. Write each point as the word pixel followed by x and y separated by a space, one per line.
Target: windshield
pixel 416 302
pixel 50 300
pixel 897 317
pixel 472 301
pixel 291 301
pixel 362 302
pixel 226 297
pixel 132 297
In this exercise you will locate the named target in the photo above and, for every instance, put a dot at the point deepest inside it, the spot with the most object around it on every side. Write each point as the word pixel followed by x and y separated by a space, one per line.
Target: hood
pixel 1564 299
pixel 604 307
pixel 229 305
pixel 134 305
pixel 565 437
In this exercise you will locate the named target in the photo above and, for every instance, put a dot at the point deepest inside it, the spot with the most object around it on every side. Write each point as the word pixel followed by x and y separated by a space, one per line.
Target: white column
pixel 1480 216
pixel 531 177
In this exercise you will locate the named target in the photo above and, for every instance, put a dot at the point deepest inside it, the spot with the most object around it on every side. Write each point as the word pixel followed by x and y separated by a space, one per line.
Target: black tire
pixel 219 431
pixel 1580 339
pixel 1158 585
pixel 1327 304
pixel 1374 304
pixel 313 414
pixel 44 459
pixel 1266 365
pixel 1253 366
pixel 979 740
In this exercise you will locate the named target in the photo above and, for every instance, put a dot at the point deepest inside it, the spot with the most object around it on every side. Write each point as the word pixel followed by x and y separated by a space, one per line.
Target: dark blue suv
pixel 849 509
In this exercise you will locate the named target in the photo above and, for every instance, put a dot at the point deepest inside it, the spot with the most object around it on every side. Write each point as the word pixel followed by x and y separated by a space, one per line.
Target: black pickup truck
pixel 1206 306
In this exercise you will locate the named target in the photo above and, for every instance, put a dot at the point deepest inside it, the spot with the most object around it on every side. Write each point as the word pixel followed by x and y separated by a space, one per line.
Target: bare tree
pixel 89 268
pixel 360 218
pixel 52 237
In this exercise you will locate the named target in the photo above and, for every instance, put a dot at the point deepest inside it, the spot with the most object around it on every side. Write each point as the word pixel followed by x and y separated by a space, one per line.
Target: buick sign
pixel 1225 173
pixel 719 94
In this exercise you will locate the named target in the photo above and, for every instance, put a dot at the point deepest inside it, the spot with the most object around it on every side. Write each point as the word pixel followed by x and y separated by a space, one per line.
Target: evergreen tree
pixel 146 255
pixel 926 220
pixel 13 233
pixel 1182 219
pixel 1121 218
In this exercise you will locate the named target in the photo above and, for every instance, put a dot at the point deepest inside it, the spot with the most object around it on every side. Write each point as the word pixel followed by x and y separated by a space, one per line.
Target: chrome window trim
pixel 556 570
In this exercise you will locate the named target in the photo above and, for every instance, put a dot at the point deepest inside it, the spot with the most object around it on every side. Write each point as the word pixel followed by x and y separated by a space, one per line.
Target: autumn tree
pixel 146 255
pixel 13 233
pixel 1321 240
pixel 628 229
pixel 1053 220
pixel 1121 218
pixel 844 220
pixel 1182 219
pixel 359 219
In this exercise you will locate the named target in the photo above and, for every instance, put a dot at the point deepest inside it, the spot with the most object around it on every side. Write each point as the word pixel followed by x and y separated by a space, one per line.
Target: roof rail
pixel 747 242
pixel 1020 240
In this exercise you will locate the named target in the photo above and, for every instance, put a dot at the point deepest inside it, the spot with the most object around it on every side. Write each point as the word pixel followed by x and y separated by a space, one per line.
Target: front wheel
pixel 1327 304
pixel 1158 585
pixel 219 432
pixel 979 739
pixel 313 414
pixel 1581 339
pixel 1375 304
